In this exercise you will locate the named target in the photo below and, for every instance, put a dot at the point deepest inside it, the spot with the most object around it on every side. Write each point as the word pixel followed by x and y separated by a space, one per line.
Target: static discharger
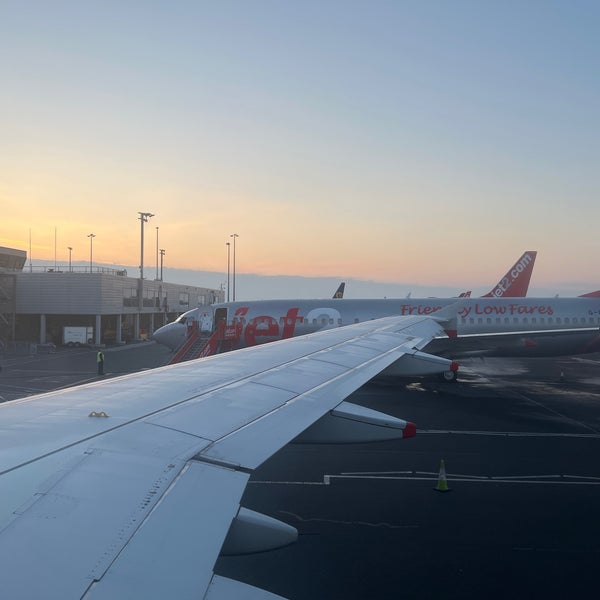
pixel 97 414
pixel 442 484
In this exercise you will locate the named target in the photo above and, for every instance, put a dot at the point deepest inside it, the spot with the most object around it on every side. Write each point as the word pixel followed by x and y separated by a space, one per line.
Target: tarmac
pixel 520 439
pixel 24 375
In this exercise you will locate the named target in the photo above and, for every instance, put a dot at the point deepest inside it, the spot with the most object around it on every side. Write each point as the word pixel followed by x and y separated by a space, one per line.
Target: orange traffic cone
pixel 442 484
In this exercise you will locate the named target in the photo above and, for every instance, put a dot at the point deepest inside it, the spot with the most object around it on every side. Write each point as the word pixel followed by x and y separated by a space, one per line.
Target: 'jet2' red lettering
pixel 265 328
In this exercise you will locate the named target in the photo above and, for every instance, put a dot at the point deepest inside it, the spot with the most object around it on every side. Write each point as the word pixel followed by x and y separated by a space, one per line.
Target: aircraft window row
pixel 288 321
pixel 282 321
pixel 325 321
pixel 131 296
pixel 534 320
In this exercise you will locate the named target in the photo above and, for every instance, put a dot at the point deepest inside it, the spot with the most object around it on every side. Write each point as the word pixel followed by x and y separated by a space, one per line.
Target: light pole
pixel 70 250
pixel 234 235
pixel 228 254
pixel 91 236
pixel 157 253
pixel 162 254
pixel 144 216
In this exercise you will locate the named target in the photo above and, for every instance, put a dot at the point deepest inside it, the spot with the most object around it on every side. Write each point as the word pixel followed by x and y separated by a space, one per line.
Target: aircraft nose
pixel 161 335
pixel 171 335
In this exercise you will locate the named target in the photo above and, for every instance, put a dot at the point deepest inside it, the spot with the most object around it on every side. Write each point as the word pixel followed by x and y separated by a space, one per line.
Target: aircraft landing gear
pixel 449 376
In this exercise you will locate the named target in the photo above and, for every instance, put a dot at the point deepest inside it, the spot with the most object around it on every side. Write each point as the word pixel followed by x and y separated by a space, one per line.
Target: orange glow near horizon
pixel 286 250
pixel 403 238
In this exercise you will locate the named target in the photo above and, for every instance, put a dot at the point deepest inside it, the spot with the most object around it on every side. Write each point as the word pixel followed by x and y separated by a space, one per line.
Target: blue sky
pixel 427 142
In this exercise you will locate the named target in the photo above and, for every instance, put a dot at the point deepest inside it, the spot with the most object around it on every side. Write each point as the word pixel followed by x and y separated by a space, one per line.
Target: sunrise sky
pixel 430 142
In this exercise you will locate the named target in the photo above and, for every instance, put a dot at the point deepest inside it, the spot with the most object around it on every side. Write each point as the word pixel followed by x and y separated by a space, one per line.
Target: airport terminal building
pixel 37 303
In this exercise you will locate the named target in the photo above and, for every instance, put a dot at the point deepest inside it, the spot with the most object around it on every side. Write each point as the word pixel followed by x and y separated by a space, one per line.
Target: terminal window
pixel 150 297
pixel 130 297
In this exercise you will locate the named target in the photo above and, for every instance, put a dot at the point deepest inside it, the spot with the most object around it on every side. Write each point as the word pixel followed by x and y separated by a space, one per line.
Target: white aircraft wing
pixel 131 487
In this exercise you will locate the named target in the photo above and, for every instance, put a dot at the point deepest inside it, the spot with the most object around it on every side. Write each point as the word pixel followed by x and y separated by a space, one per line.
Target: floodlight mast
pixel 144 216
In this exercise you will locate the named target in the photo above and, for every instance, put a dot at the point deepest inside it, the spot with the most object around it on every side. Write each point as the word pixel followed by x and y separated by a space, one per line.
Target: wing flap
pixel 85 514
pixel 181 541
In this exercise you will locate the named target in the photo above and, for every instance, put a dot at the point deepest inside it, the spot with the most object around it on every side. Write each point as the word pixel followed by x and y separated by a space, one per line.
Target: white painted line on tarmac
pixel 584 361
pixel 450 478
pixel 353 523
pixel 557 413
pixel 268 482
pixel 379 472
pixel 461 475
pixel 517 479
pixel 507 433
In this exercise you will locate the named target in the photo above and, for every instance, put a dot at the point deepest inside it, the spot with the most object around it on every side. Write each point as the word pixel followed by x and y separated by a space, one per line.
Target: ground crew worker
pixel 100 361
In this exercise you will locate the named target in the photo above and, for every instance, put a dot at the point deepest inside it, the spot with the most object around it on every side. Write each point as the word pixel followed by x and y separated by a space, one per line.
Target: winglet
pixel 516 281
pixel 447 317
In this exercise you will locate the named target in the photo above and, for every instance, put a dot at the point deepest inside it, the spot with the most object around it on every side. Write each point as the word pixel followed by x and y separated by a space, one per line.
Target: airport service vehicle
pixel 77 336
pixel 132 487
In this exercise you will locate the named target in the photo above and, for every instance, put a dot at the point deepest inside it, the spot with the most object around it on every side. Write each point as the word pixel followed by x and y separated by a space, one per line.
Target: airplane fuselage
pixel 494 326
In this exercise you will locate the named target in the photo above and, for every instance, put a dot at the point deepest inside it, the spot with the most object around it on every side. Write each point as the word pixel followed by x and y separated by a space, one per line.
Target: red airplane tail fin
pixel 516 281
pixel 595 294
